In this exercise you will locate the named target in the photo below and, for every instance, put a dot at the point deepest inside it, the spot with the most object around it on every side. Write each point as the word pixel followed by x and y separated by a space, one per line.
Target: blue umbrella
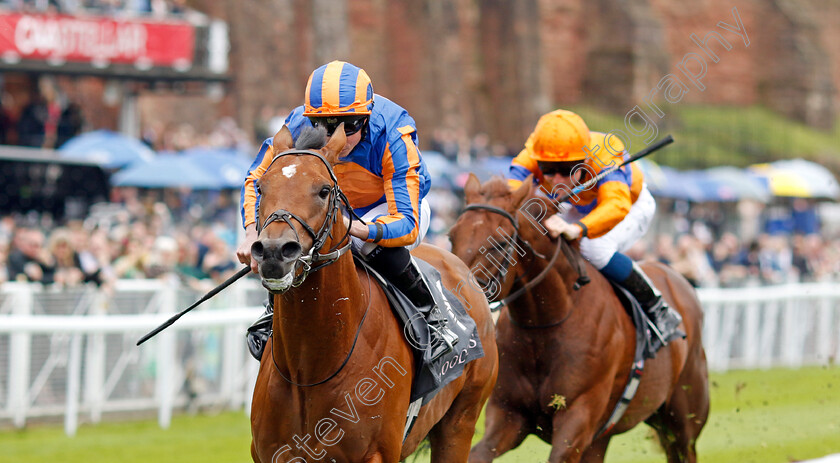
pixel 166 171
pixel 706 188
pixel 668 182
pixel 111 150
pixel 484 169
pixel 442 170
pixel 229 167
pixel 741 182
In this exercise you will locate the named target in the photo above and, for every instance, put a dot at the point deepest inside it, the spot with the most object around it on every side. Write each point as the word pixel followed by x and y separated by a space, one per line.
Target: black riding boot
pixel 399 268
pixel 665 319
pixel 260 330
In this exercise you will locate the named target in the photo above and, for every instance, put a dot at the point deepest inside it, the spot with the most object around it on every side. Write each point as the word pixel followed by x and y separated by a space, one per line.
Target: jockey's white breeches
pixel 599 251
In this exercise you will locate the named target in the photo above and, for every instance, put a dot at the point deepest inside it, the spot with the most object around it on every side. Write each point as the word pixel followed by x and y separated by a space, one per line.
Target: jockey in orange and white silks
pixel 609 217
pixel 383 176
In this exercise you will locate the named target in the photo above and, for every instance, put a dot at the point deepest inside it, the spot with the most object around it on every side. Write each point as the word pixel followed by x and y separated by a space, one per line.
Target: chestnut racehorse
pixel 335 379
pixel 566 355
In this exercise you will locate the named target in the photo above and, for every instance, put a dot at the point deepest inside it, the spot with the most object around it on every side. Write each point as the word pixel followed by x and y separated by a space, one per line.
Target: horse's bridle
pixel 574 259
pixel 509 248
pixel 314 256
pixel 337 198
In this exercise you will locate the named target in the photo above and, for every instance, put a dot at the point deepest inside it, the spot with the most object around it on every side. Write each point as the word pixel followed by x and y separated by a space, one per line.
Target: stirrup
pixel 655 330
pixel 444 341
pixel 658 318
pixel 258 333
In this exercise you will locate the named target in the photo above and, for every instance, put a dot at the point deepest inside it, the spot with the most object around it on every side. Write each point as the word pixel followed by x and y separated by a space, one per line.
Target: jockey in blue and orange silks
pixel 382 174
pixel 609 217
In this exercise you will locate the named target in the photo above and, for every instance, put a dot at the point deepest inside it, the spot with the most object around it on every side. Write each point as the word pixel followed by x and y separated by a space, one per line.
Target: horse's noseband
pixel 337 198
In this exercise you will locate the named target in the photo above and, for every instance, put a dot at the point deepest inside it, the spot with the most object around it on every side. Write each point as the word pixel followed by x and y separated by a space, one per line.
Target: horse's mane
pixel 311 138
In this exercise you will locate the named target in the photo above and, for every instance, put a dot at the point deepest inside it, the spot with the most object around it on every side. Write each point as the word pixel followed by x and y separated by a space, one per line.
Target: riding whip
pixel 589 183
pixel 210 294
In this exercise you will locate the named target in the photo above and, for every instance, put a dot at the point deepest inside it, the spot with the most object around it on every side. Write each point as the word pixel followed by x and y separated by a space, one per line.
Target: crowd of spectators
pixel 191 236
pixel 154 8
pixel 47 120
pixel 139 235
pixel 225 133
pixel 458 146
pixel 785 246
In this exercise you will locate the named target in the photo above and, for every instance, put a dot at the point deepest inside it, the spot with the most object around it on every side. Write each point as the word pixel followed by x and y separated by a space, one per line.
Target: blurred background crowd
pixel 158 8
pixel 191 234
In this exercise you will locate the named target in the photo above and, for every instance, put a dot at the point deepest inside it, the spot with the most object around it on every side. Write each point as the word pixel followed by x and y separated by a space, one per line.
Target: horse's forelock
pixel 311 138
pixel 496 187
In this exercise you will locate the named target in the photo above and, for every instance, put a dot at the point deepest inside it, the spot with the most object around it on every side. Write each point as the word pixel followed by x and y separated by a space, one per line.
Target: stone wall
pixel 495 65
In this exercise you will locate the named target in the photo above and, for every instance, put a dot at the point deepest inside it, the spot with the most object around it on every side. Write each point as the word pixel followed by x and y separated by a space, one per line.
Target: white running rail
pixel 72 353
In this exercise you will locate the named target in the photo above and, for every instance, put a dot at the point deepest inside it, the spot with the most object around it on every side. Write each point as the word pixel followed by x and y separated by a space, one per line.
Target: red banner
pixel 96 40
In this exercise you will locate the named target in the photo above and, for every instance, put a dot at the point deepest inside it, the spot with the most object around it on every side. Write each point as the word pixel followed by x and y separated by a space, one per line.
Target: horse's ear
pixel 523 191
pixel 335 144
pixel 471 188
pixel 282 140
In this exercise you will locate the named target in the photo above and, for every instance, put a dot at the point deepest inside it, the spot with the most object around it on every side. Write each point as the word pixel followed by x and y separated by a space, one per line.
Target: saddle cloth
pixel 430 377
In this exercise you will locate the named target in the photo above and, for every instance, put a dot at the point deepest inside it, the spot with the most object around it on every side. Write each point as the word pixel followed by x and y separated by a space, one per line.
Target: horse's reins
pixel 574 260
pixel 314 256
pixel 509 248
pixel 346 359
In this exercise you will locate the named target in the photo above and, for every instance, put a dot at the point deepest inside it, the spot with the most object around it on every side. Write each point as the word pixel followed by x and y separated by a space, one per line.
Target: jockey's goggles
pixel 352 124
pixel 564 168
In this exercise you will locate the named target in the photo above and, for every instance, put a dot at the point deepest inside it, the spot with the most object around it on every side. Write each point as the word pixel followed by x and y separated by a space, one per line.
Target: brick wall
pixel 495 65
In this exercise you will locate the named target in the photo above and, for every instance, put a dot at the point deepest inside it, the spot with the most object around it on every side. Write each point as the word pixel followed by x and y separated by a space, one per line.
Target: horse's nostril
pixel 290 251
pixel 257 250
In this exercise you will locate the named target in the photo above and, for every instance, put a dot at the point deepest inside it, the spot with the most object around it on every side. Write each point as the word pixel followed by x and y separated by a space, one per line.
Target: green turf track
pixel 757 416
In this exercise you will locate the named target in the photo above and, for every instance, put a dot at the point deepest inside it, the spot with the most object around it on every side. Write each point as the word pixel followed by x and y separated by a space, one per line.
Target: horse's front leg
pixel 505 429
pixel 575 427
pixel 254 455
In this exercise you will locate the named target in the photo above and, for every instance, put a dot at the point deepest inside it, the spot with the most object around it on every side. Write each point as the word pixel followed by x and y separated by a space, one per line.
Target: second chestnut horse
pixel 565 355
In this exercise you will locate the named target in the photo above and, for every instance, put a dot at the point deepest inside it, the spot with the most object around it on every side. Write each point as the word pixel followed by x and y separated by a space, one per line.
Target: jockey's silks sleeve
pixel 401 173
pixel 521 167
pixel 610 208
pixel 249 199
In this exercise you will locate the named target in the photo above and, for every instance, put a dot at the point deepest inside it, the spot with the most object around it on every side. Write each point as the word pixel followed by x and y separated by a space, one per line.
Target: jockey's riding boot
pixel 411 282
pixel 260 330
pixel 400 269
pixel 665 320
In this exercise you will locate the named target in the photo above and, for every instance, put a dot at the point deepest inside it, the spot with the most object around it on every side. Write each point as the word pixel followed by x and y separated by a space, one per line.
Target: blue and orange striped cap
pixel 338 88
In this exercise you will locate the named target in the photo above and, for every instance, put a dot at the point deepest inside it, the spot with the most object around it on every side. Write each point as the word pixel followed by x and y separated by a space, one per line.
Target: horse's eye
pixel 259 190
pixel 325 191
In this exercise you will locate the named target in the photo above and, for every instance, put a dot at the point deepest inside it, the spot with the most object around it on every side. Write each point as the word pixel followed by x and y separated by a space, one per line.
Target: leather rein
pixel 574 259
pixel 305 262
